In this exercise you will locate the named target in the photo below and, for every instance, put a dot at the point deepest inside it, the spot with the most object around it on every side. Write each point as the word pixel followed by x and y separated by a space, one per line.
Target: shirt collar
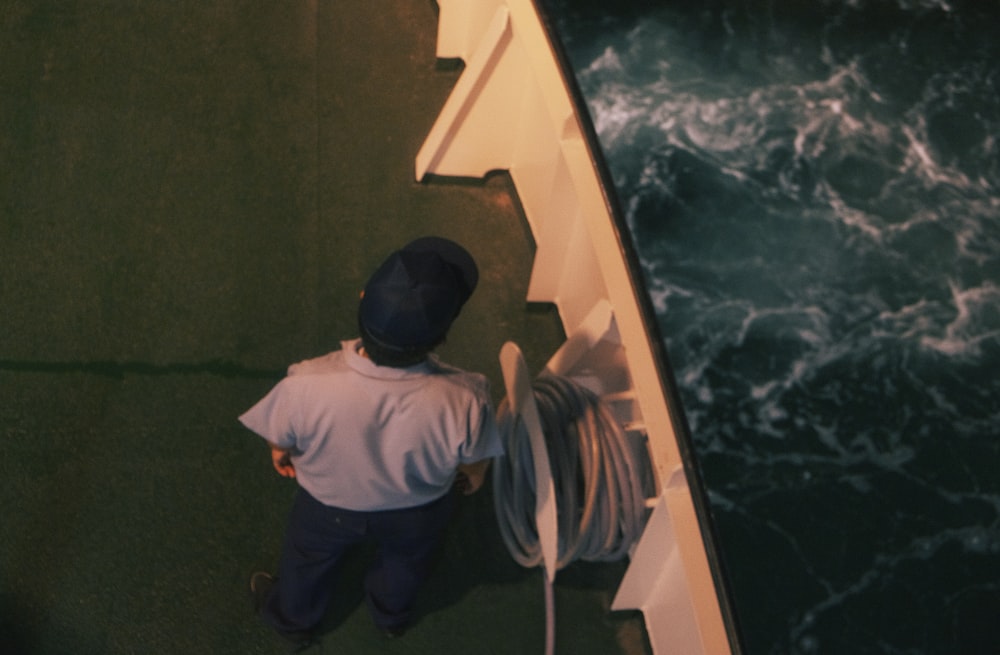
pixel 368 368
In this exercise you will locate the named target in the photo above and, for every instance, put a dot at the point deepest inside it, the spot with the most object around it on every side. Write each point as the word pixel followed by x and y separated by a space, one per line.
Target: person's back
pixel 372 437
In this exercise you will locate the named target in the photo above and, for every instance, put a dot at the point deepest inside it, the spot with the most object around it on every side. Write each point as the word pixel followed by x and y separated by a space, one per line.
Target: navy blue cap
pixel 411 300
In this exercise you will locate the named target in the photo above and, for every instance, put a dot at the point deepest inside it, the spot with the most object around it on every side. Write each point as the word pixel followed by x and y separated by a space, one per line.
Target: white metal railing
pixel 510 110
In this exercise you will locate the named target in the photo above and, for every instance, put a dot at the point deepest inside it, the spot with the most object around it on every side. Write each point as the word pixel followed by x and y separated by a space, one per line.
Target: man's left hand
pixel 282 460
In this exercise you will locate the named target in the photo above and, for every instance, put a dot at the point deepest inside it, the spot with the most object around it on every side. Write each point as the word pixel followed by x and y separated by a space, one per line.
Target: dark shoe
pixel 261 584
pixel 394 632
pixel 299 641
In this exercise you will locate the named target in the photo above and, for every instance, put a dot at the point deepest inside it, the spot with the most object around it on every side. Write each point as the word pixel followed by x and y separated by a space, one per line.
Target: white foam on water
pixel 873 319
pixel 976 321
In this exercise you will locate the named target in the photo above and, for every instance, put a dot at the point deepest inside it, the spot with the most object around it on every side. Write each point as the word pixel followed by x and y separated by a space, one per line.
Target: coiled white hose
pixel 596 475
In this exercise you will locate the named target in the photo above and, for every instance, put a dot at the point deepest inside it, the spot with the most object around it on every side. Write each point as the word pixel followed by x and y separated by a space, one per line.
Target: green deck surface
pixel 192 194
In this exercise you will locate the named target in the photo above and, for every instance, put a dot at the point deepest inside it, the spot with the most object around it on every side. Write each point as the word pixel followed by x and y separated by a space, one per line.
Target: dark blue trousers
pixel 317 537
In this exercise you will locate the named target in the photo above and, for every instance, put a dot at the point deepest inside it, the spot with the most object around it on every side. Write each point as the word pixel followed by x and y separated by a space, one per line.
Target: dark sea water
pixel 813 189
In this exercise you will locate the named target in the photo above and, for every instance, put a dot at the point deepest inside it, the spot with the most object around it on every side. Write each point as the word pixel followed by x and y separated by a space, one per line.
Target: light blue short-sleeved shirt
pixel 368 437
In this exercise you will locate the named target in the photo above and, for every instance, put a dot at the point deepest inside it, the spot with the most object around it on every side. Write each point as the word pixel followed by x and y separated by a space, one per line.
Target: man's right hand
pixel 471 476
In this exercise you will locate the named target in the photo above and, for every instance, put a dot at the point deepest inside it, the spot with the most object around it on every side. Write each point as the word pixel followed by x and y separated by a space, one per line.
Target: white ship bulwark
pixel 515 109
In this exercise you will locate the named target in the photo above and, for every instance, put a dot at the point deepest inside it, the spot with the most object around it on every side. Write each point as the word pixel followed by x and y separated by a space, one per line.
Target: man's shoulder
pixel 328 363
pixel 471 380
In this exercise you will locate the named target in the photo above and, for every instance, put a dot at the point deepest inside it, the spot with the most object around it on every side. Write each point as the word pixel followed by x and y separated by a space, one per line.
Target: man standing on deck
pixel 376 434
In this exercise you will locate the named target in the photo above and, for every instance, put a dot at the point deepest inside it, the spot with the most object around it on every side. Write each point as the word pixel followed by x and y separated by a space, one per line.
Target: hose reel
pixel 568 469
